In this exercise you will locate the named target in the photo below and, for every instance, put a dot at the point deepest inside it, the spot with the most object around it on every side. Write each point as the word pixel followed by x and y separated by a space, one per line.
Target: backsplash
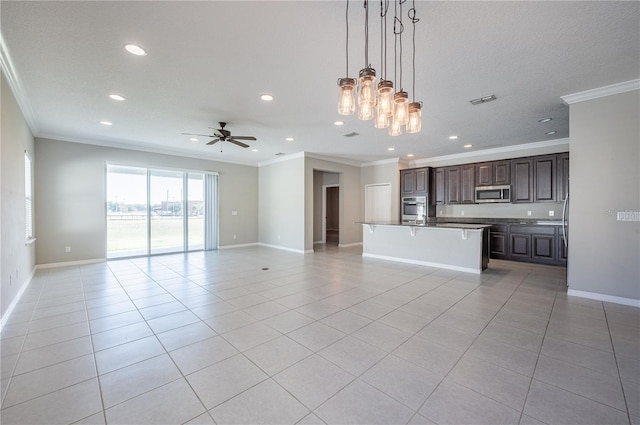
pixel 538 211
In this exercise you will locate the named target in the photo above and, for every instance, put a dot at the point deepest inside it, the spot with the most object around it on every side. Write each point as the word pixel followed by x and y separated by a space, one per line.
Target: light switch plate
pixel 628 215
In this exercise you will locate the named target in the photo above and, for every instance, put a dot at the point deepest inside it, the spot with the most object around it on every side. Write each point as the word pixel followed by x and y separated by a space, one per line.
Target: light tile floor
pixel 323 338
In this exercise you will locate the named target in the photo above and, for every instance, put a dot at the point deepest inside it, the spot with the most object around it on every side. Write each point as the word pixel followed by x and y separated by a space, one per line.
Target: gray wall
pixel 70 197
pixel 281 204
pixel 17 259
pixel 350 204
pixel 605 178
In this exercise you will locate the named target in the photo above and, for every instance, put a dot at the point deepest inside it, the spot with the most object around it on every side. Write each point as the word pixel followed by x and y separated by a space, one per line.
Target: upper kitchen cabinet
pixel 414 182
pixel 493 173
pixel 439 186
pixel 522 180
pixel 562 164
pixel 460 184
pixel 544 174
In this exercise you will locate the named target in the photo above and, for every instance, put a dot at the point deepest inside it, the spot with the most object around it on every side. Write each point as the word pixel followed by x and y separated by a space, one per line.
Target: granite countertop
pixel 447 225
pixel 529 221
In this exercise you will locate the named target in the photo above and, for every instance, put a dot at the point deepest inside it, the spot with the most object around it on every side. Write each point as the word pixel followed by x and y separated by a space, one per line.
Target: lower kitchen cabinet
pixel 499 241
pixel 529 243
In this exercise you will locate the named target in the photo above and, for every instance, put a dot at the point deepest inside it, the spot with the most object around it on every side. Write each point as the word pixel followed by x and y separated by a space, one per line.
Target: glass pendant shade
pixel 385 97
pixel 347 100
pixel 414 125
pixel 366 112
pixel 395 129
pixel 366 88
pixel 381 119
pixel 401 99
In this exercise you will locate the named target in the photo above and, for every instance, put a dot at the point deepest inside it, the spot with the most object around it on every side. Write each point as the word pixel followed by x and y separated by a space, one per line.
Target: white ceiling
pixel 209 61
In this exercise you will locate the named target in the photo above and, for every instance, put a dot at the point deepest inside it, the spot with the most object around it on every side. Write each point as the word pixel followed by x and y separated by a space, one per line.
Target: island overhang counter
pixel 454 246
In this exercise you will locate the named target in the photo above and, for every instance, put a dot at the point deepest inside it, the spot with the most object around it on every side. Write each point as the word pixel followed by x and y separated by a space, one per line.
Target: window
pixel 28 198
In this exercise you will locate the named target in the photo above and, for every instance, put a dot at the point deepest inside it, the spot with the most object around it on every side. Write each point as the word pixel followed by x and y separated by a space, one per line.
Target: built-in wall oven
pixel 414 209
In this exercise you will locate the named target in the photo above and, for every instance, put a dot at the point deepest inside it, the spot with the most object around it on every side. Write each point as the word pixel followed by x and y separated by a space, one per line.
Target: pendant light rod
pixel 346 47
pixel 414 21
pixel 366 33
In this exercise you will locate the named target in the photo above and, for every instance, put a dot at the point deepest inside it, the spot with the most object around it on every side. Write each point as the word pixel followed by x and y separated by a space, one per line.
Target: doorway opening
pixel 331 214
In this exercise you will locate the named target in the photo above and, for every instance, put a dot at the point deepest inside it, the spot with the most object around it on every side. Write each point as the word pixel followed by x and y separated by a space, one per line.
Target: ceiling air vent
pixel 280 154
pixel 483 99
pixel 352 134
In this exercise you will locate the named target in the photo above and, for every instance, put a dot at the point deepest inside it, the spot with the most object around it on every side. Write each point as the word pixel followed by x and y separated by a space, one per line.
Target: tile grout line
pixel 615 357
pixel 533 372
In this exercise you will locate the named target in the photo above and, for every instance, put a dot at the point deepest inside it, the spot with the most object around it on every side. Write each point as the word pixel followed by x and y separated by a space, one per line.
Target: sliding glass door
pixel 126 211
pixel 156 211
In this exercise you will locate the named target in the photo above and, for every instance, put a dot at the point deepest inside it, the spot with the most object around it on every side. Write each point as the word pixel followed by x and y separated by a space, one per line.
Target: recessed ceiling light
pixel 338 123
pixel 116 97
pixel 266 97
pixel 453 137
pixel 135 50
pixel 544 120
pixel 106 123
pixel 467 146
pixel 410 155
pixel 254 150
pixel 391 149
pixel 194 139
pixel 549 133
pixel 289 139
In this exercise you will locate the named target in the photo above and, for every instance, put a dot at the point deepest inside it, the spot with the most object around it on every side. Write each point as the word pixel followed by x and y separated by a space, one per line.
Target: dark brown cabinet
pixel 439 186
pixel 522 180
pixel 414 181
pixel 493 173
pixel 499 241
pixel 562 248
pixel 533 243
pixel 562 164
pixel 544 175
pixel 452 184
pixel 468 184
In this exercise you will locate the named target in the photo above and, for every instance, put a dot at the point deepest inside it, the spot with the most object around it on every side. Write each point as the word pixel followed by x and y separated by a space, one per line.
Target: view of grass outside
pixel 130 236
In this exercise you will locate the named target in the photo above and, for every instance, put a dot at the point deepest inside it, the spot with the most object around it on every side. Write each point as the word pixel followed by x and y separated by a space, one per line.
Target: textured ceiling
pixel 209 61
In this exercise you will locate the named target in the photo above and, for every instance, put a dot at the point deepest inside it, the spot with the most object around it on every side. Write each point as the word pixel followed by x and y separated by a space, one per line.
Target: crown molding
pixel 381 162
pixel 493 151
pixel 16 86
pixel 618 88
pixel 282 159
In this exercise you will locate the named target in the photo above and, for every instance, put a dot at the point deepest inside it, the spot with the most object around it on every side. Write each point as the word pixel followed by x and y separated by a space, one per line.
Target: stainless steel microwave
pixel 488 194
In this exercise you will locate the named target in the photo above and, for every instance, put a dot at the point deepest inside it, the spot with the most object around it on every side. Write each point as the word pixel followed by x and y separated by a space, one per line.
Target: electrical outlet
pixel 462 212
pixel 234 236
pixel 67 249
pixel 234 212
pixel 551 213
pixel 528 213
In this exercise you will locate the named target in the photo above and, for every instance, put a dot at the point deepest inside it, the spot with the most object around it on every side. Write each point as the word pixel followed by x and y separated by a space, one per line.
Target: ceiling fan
pixel 222 135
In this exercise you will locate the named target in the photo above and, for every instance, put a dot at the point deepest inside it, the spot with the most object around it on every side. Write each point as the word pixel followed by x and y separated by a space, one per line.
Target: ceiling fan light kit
pixel 389 109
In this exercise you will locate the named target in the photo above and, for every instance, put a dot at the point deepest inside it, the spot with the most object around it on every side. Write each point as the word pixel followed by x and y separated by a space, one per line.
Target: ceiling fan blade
pixel 244 138
pixel 193 134
pixel 235 142
pixel 213 142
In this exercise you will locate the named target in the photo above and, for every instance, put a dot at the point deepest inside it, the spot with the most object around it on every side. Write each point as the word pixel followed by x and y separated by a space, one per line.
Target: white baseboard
pixel 240 245
pixel 284 248
pixel 422 263
pixel 70 263
pixel 602 297
pixel 347 245
pixel 16 299
pixel 317 242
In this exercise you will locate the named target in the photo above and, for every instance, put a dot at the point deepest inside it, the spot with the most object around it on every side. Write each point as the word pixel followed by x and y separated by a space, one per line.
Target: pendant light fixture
pixel 392 110
pixel 367 76
pixel 346 85
pixel 414 123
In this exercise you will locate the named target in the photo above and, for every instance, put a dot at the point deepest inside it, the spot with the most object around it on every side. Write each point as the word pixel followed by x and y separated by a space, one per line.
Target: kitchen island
pixel 456 246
